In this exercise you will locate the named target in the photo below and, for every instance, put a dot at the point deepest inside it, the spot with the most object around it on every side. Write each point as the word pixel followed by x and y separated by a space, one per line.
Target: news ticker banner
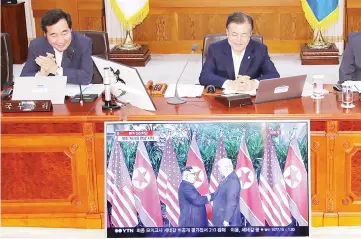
pixel 150 194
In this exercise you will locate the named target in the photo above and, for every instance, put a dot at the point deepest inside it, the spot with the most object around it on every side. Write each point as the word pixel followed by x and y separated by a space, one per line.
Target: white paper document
pixel 356 86
pixel 184 90
pixel 231 92
pixel 308 90
pixel 72 90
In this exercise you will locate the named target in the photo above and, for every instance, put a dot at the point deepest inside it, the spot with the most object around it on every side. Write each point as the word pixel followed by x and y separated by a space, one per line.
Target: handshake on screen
pixel 242 83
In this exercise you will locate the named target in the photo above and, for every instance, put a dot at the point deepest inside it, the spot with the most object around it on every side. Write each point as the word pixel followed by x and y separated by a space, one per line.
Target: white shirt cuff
pixel 225 84
pixel 59 71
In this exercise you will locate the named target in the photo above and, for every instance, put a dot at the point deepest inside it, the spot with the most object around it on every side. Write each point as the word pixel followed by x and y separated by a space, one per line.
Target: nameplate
pixel 26 106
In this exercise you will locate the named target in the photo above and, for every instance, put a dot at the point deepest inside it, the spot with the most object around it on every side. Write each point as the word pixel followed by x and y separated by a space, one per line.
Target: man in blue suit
pixel 238 62
pixel 350 68
pixel 226 206
pixel 60 51
pixel 192 205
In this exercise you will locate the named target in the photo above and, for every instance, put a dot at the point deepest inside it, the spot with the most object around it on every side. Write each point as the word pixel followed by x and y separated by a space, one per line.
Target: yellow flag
pixel 130 12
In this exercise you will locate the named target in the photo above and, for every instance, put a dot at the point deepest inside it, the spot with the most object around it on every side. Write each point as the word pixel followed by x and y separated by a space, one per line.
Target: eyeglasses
pixel 242 36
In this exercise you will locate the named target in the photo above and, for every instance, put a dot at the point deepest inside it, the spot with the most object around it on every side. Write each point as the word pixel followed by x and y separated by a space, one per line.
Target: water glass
pixel 318 87
pixel 347 96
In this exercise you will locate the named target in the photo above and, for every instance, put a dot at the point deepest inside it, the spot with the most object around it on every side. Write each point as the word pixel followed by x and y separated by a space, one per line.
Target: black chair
pixel 6 61
pixel 211 38
pixel 100 49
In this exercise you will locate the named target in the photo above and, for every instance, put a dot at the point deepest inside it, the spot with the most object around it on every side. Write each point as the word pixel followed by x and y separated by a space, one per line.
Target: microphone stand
pixel 176 100
pixel 107 93
pixel 81 95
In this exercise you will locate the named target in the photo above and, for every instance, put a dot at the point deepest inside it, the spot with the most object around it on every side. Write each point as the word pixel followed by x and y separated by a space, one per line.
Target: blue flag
pixel 320 14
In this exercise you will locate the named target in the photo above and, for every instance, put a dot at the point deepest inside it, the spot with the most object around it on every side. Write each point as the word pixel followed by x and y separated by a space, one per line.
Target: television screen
pixel 207 179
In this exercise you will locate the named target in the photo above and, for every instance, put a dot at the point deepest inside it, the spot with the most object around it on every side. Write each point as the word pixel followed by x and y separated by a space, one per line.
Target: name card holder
pixel 18 106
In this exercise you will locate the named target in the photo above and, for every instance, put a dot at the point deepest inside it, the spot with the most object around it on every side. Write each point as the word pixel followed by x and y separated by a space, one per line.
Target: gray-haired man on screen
pixel 226 206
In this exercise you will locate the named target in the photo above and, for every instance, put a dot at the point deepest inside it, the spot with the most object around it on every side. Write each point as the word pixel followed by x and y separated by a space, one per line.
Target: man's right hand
pixel 242 83
pixel 43 72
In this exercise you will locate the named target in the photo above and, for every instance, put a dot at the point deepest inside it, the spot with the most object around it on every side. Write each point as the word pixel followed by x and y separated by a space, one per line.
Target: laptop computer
pixel 40 88
pixel 280 88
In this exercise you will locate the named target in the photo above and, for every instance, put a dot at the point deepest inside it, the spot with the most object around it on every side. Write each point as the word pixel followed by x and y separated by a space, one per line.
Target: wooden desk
pixel 57 159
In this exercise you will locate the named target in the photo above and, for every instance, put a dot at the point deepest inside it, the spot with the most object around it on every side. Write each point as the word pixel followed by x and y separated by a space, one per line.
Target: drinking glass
pixel 318 87
pixel 347 96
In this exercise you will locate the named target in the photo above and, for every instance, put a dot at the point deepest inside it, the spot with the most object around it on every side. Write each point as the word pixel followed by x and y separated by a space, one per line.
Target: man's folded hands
pixel 242 83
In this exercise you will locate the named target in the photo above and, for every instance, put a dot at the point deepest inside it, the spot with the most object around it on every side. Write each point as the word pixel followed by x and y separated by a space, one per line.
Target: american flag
pixel 250 200
pixel 295 175
pixel 169 178
pixel 145 189
pixel 272 187
pixel 119 190
pixel 216 176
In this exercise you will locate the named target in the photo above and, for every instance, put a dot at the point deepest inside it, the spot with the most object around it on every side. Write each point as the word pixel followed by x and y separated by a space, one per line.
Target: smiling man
pixel 60 51
pixel 238 62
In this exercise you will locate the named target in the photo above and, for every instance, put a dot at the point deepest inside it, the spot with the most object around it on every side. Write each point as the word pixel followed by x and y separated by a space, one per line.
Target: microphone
pixel 107 94
pixel 176 100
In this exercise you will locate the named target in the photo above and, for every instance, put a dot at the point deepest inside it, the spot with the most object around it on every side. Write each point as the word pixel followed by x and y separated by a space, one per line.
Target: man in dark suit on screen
pixel 238 62
pixel 226 206
pixel 61 51
pixel 192 205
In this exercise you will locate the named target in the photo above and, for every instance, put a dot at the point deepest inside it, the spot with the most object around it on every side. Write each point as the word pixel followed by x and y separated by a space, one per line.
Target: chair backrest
pixel 211 38
pixel 100 48
pixel 6 60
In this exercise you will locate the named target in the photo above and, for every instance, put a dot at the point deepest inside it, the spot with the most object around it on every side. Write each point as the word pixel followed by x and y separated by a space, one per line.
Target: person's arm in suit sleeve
pixel 30 68
pixel 83 75
pixel 347 67
pixel 208 74
pixel 233 194
pixel 193 196
pixel 268 69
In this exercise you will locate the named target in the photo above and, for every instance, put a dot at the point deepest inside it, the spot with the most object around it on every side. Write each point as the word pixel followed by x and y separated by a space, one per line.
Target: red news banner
pixel 146 135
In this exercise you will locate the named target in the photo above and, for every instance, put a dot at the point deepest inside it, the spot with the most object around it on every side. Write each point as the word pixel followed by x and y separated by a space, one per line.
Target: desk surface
pixel 66 147
pixel 204 108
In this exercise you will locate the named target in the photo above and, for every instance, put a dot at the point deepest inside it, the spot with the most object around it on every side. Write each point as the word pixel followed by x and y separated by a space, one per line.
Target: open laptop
pixel 40 88
pixel 280 88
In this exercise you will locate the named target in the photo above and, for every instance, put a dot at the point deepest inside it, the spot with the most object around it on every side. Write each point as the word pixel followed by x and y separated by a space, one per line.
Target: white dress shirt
pixel 58 59
pixel 237 60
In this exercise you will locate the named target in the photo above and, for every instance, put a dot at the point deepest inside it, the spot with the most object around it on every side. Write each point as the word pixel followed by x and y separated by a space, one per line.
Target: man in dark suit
pixel 350 68
pixel 238 62
pixel 226 207
pixel 60 51
pixel 192 205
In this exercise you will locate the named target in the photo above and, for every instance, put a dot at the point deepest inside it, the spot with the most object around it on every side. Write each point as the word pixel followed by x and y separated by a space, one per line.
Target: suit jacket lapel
pixel 247 59
pixel 68 54
pixel 49 48
pixel 66 60
pixel 229 61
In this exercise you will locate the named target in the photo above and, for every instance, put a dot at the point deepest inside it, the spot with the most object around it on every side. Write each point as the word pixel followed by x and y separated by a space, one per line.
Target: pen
pixel 357 89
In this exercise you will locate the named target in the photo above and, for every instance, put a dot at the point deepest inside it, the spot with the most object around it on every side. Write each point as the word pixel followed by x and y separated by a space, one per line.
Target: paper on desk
pixel 72 90
pixel 356 85
pixel 184 90
pixel 308 90
pixel 251 92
